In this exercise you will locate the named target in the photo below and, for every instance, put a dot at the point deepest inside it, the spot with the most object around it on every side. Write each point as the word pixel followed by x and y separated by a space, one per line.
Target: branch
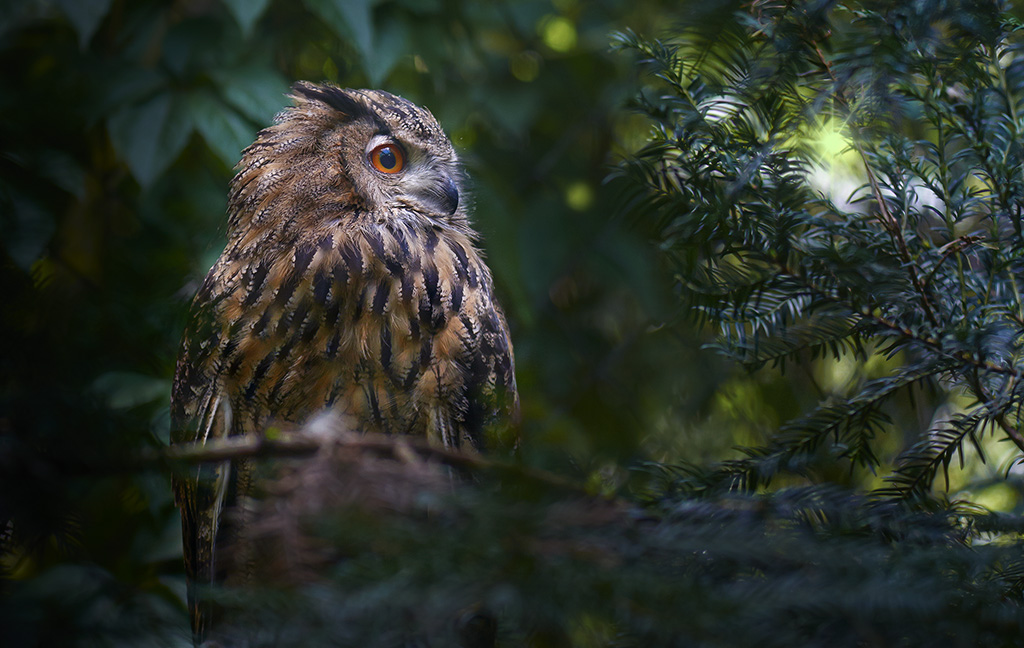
pixel 244 447
pixel 1012 432
pixel 404 449
pixel 949 249
pixel 933 344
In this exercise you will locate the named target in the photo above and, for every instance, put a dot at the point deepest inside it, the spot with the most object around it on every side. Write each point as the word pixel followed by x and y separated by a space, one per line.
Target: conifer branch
pixel 999 416
pixel 927 341
pixel 894 228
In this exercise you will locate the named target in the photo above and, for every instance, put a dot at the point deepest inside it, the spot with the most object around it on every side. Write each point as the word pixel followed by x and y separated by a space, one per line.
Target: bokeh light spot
pixel 558 33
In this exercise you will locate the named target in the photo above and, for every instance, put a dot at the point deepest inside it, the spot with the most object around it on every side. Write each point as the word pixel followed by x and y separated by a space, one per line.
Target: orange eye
pixel 387 158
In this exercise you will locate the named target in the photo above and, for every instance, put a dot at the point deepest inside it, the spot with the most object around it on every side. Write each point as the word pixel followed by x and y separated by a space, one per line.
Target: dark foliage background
pixel 767 318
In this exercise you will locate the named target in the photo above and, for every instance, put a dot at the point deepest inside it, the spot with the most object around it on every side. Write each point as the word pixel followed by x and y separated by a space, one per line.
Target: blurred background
pixel 122 120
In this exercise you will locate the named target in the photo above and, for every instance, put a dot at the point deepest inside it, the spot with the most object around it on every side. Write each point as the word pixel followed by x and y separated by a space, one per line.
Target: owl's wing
pixel 200 411
pixel 500 374
pixel 491 398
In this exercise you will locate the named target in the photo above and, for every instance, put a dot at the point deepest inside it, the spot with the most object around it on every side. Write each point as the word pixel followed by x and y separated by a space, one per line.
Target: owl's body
pixel 350 283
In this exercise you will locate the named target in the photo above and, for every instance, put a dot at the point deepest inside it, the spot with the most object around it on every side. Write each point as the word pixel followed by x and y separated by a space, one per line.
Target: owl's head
pixel 348 153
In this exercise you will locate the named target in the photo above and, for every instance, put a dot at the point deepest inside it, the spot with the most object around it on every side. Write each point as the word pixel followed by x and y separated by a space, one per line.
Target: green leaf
pixel 85 15
pixel 257 91
pixel 350 19
pixel 157 545
pixel 225 131
pixel 121 87
pixel 27 227
pixel 392 41
pixel 125 389
pixel 246 12
pixel 150 135
pixel 62 170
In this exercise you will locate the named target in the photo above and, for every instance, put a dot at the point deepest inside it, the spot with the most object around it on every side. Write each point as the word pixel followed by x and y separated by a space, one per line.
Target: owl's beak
pixel 442 194
pixel 449 196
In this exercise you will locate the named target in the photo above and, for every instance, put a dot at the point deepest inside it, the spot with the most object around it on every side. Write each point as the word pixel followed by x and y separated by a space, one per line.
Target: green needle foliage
pixel 921 262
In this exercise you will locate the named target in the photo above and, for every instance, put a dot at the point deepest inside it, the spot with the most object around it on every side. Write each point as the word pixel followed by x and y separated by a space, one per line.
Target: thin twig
pixel 1000 417
pixel 949 249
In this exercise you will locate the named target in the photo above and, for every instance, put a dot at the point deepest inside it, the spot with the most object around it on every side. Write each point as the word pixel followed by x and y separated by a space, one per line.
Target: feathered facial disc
pixel 395 152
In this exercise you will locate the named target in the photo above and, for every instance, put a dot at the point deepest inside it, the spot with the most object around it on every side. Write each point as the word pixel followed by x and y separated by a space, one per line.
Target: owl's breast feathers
pixel 392 324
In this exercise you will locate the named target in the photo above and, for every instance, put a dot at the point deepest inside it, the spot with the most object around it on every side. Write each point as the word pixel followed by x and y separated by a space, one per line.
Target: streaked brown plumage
pixel 350 282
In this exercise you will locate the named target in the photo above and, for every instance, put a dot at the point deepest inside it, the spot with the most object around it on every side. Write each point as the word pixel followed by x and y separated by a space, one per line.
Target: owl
pixel 350 284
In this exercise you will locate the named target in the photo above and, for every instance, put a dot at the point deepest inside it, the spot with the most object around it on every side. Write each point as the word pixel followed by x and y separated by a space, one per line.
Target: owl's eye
pixel 387 158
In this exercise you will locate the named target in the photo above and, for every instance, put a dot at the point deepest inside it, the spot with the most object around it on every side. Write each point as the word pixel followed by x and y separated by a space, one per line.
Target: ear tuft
pixel 339 99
